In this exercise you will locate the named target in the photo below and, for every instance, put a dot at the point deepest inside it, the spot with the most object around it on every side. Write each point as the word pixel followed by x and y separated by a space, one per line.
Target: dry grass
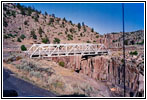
pixel 63 81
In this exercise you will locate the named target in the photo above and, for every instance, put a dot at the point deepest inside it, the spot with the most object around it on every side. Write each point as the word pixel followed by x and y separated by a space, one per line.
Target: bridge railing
pixel 55 50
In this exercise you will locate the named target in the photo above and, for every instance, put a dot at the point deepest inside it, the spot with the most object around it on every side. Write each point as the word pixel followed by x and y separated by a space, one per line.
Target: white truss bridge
pixel 58 50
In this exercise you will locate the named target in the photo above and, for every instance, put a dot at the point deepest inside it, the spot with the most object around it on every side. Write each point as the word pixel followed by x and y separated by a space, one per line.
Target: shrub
pixel 126 42
pixel 13 57
pixel 65 32
pixel 63 23
pixel 81 34
pixel 97 36
pixel 61 63
pixel 8 13
pixel 59 33
pixel 36 16
pixel 45 40
pixel 22 36
pixel 36 74
pixel 58 19
pixel 18 58
pixel 36 19
pixel 40 31
pixel 15 35
pixel 23 48
pixel 25 22
pixel 5 24
pixel 134 53
pixel 70 37
pixel 11 35
pixel 141 43
pixel 56 40
pixel 94 41
pixel 122 60
pixel 33 34
pixel 13 13
pixel 88 41
pixel 114 40
pixel 58 84
pixel 132 42
pixel 51 21
pixel 18 40
pixel 6 36
pixel 71 30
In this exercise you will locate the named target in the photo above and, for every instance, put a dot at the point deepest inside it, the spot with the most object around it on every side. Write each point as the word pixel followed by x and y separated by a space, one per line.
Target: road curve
pixel 23 88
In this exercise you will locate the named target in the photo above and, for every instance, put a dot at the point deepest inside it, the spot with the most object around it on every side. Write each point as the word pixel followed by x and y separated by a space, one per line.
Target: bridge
pixel 58 50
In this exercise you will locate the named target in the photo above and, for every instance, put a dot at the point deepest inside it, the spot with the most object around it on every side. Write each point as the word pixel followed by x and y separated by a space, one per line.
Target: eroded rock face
pixel 107 69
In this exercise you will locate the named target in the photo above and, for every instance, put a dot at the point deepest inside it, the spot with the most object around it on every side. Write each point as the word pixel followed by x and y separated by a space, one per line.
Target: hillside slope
pixel 22 23
pixel 26 25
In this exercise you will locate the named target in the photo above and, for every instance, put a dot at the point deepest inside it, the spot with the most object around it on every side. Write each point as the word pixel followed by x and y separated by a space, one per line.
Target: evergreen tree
pixel 18 5
pixel 53 15
pixel 70 22
pixel 23 48
pixel 79 26
pixel 29 11
pixel 46 13
pixel 83 24
pixel 40 31
pixel 64 19
pixel 92 30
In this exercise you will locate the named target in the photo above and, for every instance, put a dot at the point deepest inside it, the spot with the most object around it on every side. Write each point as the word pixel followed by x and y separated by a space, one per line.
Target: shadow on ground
pixel 73 95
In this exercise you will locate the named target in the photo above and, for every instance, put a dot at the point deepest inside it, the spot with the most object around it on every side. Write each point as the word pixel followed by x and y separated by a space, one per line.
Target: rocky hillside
pixel 109 69
pixel 113 40
pixel 52 77
pixel 131 38
pixel 25 23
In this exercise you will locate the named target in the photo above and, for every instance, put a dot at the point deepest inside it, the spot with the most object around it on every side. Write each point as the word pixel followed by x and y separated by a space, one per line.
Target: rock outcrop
pixel 108 69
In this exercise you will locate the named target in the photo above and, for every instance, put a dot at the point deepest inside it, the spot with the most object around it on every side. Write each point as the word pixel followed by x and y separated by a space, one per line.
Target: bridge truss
pixel 57 50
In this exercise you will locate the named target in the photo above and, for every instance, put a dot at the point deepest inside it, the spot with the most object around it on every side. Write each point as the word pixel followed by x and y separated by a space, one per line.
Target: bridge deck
pixel 56 50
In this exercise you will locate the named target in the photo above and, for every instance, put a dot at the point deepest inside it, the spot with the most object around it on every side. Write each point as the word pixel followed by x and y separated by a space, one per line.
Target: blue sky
pixel 103 17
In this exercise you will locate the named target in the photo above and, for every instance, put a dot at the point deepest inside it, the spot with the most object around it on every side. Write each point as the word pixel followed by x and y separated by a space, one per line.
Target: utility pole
pixel 124 64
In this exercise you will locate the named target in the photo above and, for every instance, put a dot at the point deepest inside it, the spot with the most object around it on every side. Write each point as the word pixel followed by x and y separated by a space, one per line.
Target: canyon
pixel 98 76
pixel 110 70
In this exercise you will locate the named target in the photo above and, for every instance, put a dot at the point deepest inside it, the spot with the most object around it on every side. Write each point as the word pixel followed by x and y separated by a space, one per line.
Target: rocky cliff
pixel 109 69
